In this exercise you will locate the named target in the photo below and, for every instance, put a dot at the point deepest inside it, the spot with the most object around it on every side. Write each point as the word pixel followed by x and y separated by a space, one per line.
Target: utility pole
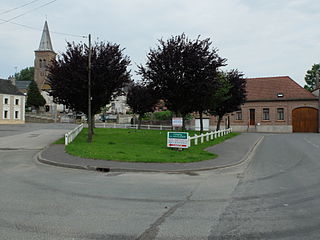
pixel 318 86
pixel 89 94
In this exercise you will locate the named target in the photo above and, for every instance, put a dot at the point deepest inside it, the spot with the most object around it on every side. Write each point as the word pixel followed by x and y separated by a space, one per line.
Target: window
pixel 6 100
pixel 239 115
pixel 265 115
pixel 16 114
pixel 17 101
pixel 5 114
pixel 40 61
pixel 280 114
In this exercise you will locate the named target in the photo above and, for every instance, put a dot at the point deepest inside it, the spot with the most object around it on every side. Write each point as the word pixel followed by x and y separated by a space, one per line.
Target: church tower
pixel 43 56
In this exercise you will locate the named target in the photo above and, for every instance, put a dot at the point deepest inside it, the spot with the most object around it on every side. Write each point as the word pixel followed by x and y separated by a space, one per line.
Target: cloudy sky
pixel 261 38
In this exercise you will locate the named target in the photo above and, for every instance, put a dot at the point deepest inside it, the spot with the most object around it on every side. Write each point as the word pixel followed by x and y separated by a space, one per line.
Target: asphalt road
pixel 274 195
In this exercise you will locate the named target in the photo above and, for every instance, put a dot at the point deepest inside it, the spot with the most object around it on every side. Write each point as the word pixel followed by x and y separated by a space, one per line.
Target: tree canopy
pixel 68 76
pixel 34 97
pixel 183 72
pixel 230 95
pixel 141 100
pixel 26 74
pixel 311 77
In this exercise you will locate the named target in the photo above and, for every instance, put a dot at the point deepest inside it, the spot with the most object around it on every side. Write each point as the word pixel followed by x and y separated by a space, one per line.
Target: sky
pixel 261 38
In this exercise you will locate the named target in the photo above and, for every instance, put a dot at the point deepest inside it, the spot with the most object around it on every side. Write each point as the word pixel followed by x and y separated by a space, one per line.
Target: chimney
pixel 13 80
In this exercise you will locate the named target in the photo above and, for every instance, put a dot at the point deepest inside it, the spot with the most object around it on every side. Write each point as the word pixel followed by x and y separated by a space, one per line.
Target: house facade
pixel 275 104
pixel 12 104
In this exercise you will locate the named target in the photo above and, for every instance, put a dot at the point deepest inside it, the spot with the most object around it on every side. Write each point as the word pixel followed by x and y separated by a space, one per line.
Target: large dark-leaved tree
pixel 229 96
pixel 141 99
pixel 183 72
pixel 68 76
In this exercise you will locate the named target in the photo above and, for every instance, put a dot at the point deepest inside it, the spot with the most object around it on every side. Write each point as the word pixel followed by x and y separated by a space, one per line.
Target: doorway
pixel 252 117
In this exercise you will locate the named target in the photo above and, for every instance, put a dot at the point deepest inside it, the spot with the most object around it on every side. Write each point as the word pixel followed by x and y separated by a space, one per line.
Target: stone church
pixel 43 57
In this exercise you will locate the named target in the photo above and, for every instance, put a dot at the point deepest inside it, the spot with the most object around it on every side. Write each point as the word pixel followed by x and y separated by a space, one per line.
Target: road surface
pixel 274 195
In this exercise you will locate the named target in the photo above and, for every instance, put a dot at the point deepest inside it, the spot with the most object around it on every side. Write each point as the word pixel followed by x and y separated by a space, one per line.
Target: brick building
pixel 275 104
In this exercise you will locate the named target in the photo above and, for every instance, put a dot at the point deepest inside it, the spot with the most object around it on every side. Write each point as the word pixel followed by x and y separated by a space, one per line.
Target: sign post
pixel 178 139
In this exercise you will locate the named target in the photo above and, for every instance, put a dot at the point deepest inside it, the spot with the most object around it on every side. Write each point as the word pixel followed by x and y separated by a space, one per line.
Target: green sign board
pixel 179 135
pixel 178 140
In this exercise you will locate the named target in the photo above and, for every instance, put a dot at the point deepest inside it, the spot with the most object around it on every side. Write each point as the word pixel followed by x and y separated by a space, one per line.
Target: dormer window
pixel 280 95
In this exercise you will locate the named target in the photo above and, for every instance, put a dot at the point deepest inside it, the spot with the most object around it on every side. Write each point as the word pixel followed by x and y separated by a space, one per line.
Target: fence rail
pixel 70 136
pixel 132 126
pixel 209 136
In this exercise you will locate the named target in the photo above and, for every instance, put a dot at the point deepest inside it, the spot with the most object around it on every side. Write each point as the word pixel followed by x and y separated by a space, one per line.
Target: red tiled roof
pixel 268 88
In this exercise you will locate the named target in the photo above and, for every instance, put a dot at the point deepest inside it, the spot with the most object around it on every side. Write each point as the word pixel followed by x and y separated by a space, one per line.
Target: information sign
pixel 178 140
pixel 177 122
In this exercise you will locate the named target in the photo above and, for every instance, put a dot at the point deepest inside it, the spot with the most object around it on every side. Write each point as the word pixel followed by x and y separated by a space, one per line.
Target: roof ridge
pixel 275 77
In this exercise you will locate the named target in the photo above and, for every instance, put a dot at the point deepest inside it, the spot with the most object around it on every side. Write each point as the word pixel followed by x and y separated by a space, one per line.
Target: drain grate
pixel 100 169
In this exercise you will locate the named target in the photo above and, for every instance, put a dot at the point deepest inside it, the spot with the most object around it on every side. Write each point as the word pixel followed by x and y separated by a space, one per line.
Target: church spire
pixel 45 43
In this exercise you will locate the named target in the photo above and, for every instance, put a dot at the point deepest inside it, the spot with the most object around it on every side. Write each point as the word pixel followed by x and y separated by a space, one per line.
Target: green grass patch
pixel 59 141
pixel 138 146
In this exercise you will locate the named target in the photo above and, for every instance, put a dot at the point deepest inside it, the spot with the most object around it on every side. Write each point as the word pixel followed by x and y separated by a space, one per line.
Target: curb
pixel 246 157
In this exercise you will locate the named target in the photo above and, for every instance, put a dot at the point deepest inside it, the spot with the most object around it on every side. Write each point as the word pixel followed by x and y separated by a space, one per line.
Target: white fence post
pixel 201 137
pixel 207 137
pixel 196 139
pixel 70 136
pixel 66 139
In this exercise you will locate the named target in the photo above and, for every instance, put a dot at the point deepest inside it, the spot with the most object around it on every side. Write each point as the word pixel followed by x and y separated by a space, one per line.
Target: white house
pixel 12 104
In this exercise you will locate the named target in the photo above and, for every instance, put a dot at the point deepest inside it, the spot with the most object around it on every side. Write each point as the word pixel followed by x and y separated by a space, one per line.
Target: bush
pixel 165 115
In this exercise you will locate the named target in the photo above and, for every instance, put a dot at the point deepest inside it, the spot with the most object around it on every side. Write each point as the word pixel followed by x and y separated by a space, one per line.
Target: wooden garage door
pixel 305 119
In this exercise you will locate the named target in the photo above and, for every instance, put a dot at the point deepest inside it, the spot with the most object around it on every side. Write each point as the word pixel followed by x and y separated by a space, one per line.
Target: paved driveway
pixel 274 195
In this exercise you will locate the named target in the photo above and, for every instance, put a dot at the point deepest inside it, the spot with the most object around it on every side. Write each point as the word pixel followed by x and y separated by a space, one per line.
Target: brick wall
pixel 261 125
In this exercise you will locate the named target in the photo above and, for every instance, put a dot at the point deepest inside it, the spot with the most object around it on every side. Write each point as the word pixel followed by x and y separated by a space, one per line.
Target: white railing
pixel 209 136
pixel 132 126
pixel 70 136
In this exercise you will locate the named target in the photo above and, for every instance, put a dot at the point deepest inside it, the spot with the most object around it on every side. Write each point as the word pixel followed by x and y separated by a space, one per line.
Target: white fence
pixel 209 136
pixel 132 126
pixel 70 136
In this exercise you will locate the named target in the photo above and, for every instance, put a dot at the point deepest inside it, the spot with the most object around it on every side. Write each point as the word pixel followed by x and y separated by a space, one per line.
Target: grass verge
pixel 138 146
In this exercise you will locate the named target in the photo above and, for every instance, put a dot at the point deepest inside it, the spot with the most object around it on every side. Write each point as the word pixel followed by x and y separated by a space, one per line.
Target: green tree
pixel 229 96
pixel 26 74
pixel 311 77
pixel 141 100
pixel 34 97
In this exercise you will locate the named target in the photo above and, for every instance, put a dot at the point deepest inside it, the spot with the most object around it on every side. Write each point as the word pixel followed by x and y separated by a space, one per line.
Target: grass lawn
pixel 137 146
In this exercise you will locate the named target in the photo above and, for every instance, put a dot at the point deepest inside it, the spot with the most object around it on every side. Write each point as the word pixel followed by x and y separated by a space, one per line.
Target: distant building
pixel 12 104
pixel 275 104
pixel 22 86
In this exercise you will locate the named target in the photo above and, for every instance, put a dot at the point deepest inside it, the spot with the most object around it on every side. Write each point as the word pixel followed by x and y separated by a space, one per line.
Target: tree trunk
pixel 89 121
pixel 201 121
pixel 228 126
pixel 219 122
pixel 139 122
pixel 183 122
